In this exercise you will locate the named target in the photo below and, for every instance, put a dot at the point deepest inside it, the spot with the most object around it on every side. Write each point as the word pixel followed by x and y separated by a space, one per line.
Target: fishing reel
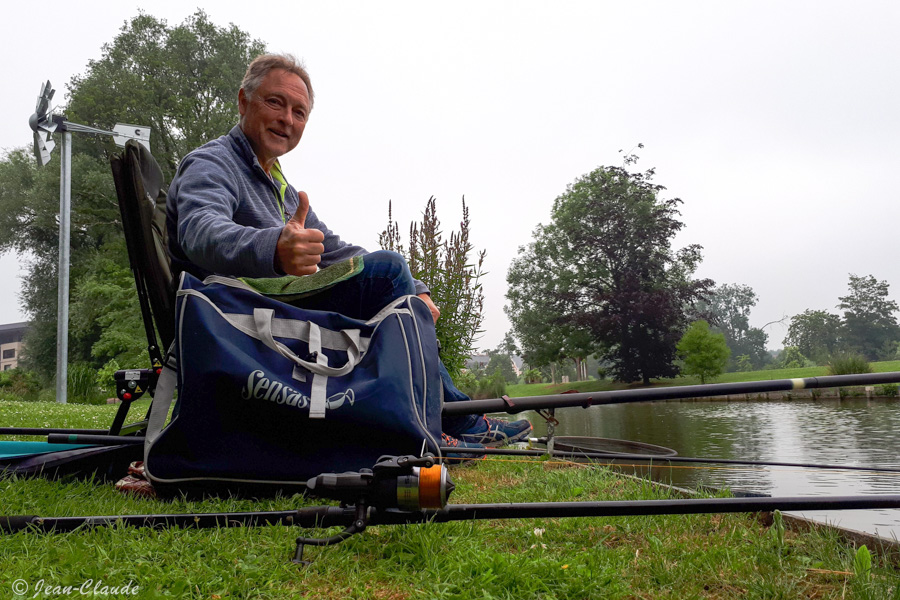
pixel 406 483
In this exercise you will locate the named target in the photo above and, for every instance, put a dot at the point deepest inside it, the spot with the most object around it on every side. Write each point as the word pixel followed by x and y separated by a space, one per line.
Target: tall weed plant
pixel 452 270
pixel 82 388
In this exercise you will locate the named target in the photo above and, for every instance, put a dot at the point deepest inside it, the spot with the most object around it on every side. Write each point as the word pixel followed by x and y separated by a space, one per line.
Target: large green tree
pixel 546 338
pixel 180 80
pixel 816 334
pixel 729 309
pixel 605 266
pixel 870 326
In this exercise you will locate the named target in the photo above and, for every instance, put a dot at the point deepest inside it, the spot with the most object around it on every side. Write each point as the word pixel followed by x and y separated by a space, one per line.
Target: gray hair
pixel 263 64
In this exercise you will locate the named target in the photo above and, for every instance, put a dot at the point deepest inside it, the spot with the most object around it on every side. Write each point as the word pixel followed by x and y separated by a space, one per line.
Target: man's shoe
pixel 461 457
pixel 491 432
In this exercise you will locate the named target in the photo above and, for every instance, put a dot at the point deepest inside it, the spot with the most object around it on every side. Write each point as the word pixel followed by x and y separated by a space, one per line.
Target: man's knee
pixel 385 263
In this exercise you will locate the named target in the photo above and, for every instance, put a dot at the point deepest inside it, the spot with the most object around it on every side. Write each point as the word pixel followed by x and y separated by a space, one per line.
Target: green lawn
pixel 668 557
pixel 540 389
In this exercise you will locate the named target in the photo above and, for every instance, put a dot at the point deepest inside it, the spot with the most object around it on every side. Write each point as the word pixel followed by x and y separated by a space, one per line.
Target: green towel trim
pixel 22 449
pixel 291 287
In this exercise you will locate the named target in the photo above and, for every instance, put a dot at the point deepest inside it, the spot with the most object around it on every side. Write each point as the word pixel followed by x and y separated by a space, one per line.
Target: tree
pixel 534 310
pixel 743 363
pixel 792 358
pixel 816 333
pixel 500 362
pixel 604 270
pixel 454 282
pixel 869 322
pixel 703 352
pixel 29 204
pixel 501 359
pixel 180 80
pixel 729 310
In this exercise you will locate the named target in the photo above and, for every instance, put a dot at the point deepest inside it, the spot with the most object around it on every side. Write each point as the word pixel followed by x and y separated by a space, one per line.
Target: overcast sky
pixel 776 122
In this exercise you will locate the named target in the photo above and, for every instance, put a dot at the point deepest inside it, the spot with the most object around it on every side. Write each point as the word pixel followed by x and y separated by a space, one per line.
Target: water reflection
pixel 851 432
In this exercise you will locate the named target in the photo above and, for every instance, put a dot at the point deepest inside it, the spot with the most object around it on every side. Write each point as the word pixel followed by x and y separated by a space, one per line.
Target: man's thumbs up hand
pixel 299 249
pixel 302 210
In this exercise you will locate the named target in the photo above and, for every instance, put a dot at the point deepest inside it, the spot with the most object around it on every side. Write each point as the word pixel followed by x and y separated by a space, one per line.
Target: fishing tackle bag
pixel 270 394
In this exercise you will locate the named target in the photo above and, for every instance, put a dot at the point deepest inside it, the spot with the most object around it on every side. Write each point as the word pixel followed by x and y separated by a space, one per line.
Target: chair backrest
pixel 142 203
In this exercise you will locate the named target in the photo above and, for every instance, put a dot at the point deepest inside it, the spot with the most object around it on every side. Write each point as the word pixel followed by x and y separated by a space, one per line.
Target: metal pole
pixel 62 317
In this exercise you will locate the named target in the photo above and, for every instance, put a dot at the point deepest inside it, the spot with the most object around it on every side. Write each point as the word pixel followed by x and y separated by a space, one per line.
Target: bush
pixel 106 378
pixel 467 383
pixel 491 387
pixel 532 376
pixel 888 389
pixel 82 388
pixel 848 364
pixel 20 383
pixel 792 358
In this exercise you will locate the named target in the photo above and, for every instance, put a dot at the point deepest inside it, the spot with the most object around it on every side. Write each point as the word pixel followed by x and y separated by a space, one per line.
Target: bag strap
pixel 259 326
pixel 262 319
pixel 162 401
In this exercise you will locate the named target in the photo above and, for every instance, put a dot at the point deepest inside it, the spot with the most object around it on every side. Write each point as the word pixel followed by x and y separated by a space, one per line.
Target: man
pixel 232 212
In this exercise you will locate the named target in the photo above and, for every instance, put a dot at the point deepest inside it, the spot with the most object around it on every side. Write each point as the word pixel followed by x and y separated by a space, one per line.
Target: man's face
pixel 274 117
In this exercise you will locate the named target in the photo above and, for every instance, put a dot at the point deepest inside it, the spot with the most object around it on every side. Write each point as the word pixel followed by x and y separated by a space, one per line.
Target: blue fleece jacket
pixel 223 214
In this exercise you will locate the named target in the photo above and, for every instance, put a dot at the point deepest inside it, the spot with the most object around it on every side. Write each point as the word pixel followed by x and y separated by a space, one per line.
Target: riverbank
pixel 670 557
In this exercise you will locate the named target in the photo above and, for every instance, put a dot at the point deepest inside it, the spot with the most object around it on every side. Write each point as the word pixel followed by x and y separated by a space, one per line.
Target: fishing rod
pixel 588 399
pixel 323 517
pixel 659 460
pixel 552 401
pixel 107 440
pixel 408 490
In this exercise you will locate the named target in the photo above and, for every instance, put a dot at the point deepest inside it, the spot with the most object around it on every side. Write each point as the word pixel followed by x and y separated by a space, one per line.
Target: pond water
pixel 848 432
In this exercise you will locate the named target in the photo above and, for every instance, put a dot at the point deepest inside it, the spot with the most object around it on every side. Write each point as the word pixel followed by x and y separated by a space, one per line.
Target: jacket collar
pixel 242 144
pixel 245 151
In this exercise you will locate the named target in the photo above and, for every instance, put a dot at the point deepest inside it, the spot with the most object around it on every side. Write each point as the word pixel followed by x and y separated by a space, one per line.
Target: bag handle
pixel 262 319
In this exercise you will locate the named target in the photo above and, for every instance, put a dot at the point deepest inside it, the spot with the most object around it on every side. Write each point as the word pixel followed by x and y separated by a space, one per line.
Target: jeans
pixel 385 277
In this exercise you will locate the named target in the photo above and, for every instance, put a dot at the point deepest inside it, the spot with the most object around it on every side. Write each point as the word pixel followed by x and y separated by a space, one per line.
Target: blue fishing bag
pixel 270 395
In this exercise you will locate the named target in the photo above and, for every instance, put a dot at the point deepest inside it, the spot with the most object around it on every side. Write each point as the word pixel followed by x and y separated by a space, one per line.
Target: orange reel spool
pixel 426 487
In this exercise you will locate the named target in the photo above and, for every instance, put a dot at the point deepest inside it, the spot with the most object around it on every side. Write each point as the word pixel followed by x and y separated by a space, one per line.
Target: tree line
pixel 603 280
pixel 866 325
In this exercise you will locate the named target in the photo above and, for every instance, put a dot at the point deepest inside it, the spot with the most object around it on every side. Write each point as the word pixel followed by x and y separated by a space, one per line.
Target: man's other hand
pixel 435 313
pixel 299 249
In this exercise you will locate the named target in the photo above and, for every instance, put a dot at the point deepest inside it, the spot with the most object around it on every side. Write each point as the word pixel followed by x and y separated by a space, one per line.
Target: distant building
pixel 477 361
pixel 11 336
pixel 518 364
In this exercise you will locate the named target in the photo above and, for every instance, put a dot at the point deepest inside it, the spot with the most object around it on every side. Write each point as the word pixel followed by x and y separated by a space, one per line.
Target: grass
pixel 667 557
pixel 541 389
